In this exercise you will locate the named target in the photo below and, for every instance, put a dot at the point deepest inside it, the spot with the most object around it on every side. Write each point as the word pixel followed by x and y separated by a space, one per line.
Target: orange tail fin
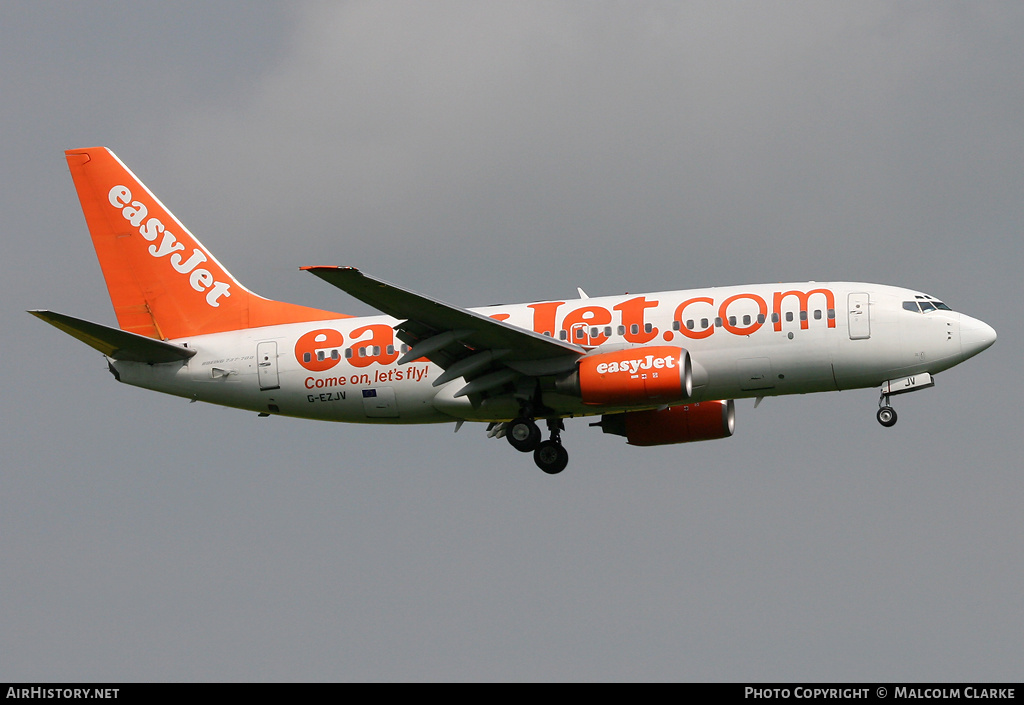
pixel 162 281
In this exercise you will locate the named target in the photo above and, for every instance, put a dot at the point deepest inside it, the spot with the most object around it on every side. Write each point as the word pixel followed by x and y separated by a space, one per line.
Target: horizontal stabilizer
pixel 115 343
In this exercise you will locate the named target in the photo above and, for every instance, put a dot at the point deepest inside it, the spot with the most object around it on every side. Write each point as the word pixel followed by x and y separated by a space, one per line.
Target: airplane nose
pixel 975 336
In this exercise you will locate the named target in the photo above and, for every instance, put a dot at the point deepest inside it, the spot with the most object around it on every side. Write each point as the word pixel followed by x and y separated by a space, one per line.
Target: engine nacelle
pixel 703 421
pixel 642 375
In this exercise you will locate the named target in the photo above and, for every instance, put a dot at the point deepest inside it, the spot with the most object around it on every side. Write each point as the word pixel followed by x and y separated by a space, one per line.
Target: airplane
pixel 656 368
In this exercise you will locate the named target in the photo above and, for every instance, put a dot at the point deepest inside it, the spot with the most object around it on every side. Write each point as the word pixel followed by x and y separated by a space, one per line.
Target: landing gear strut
pixel 886 414
pixel 524 435
pixel 550 456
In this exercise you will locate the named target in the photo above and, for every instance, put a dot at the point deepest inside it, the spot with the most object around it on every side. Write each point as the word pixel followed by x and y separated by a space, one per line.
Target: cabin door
pixel 859 316
pixel 266 364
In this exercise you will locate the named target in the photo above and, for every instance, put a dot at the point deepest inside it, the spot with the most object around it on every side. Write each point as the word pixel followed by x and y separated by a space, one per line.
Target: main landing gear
pixel 524 435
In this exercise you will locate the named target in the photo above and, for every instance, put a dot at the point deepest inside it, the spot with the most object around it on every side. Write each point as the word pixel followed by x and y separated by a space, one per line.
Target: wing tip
pixel 320 267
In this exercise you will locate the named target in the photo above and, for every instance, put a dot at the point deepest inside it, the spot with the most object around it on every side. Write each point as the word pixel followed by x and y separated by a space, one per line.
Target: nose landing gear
pixel 886 414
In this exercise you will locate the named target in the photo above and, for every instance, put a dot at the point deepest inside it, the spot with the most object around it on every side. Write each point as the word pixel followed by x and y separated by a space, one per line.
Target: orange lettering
pixel 582 319
pixel 376 347
pixel 802 297
pixel 314 349
pixel 723 313
pixel 544 316
pixel 694 334
pixel 633 315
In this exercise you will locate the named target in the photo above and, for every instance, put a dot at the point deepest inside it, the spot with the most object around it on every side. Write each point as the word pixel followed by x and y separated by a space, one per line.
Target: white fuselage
pixel 744 341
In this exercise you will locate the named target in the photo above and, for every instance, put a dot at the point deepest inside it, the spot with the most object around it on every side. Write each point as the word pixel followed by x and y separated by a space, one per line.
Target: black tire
pixel 523 435
pixel 886 416
pixel 551 457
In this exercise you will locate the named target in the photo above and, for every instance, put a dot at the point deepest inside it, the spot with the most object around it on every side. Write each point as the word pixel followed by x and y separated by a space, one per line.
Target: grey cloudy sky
pixel 496 152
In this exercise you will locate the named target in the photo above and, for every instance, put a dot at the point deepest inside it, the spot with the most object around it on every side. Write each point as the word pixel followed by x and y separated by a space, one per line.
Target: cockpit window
pixel 924 304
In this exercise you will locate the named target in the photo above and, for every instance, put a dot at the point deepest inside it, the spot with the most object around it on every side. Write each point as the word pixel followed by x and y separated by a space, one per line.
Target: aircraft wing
pixel 488 353
pixel 116 343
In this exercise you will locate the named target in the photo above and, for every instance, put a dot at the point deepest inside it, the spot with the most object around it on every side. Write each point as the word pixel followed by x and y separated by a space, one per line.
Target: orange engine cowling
pixel 642 375
pixel 702 421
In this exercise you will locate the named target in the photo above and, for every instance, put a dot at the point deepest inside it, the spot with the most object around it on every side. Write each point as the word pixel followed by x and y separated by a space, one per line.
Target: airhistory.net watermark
pixel 62 693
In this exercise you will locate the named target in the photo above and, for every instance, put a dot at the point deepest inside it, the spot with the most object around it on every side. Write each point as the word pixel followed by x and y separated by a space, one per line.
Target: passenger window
pixel 703 323
pixel 789 315
pixel 648 328
pixel 746 320
pixel 732 320
pixel 760 318
pixel 775 318
pixel 348 353
pixel 306 357
pixel 320 355
pixel 634 329
pixel 817 314
pixel 718 322
pixel 803 315
pixel 335 355
pixel 689 324
pixel 831 314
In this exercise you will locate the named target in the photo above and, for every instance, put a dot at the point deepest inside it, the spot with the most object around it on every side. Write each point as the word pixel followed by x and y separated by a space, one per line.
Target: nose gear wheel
pixel 886 414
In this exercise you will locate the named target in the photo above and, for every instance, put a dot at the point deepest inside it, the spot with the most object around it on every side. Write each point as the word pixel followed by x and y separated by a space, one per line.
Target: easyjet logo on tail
pixel 152 229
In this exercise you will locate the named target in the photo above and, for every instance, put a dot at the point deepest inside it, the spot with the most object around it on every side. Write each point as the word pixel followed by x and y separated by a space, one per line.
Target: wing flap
pixel 115 343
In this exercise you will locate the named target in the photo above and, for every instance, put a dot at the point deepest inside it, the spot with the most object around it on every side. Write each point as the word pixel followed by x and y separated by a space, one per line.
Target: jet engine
pixel 632 376
pixel 702 421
